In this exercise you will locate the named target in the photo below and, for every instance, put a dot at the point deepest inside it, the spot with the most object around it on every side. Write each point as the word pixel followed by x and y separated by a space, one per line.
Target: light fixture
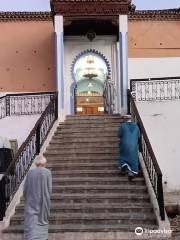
pixel 90 85
pixel 90 70
pixel 79 109
pixel 100 109
pixel 87 99
pixel 91 35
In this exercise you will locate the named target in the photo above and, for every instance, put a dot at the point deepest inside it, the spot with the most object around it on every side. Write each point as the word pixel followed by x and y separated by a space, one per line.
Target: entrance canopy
pixel 74 9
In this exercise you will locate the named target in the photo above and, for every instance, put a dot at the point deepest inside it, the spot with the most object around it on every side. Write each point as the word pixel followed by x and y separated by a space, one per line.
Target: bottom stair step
pixel 85 228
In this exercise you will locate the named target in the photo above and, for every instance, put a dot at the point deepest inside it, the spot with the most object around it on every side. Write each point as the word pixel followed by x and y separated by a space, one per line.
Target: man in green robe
pixel 128 160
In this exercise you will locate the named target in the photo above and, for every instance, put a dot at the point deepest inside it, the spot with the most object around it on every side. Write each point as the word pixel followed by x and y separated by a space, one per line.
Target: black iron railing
pixel 24 103
pixel 153 169
pixel 18 168
pixel 155 89
pixel 2 107
pixel 109 96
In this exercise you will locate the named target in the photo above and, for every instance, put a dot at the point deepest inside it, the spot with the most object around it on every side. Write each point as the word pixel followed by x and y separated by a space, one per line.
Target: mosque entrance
pixel 90 72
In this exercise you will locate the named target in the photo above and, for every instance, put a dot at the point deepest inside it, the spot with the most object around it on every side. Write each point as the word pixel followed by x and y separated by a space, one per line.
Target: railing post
pixel 160 197
pixel 7 105
pixel 56 106
pixel 2 199
pixel 38 139
pixel 128 102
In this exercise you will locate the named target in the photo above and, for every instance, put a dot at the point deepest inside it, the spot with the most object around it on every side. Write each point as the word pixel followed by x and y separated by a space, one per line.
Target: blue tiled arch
pixel 87 52
pixel 84 53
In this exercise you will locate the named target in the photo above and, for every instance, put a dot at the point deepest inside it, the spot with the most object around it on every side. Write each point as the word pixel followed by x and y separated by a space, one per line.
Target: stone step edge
pixel 88 216
pixel 97 206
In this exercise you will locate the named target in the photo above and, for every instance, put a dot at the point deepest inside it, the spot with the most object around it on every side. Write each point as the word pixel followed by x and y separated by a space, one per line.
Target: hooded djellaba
pixel 37 191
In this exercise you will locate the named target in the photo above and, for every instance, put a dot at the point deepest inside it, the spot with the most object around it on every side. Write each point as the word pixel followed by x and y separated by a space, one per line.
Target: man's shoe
pixel 131 175
pixel 124 169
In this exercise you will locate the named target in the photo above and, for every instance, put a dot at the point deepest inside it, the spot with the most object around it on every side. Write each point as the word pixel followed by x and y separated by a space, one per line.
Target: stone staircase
pixel 89 193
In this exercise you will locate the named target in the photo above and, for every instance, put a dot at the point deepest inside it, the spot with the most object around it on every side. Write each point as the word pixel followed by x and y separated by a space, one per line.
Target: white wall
pixel 74 46
pixel 162 123
pixel 154 67
pixel 17 127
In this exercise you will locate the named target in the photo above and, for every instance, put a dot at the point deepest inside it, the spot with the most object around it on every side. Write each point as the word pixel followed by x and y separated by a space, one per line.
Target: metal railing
pixel 153 169
pixel 109 96
pixel 18 168
pixel 155 89
pixel 24 103
pixel 2 107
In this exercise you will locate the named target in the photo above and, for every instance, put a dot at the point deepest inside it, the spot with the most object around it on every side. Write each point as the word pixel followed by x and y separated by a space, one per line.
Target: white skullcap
pixel 40 160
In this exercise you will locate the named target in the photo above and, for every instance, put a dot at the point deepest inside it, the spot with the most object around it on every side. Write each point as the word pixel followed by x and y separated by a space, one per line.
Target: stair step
pixel 97 180
pixel 55 228
pixel 92 121
pixel 75 162
pixel 87 125
pixel 85 189
pixel 76 134
pixel 55 156
pixel 87 196
pixel 81 157
pixel 82 145
pixel 90 218
pixel 92 150
pixel 68 164
pixel 84 166
pixel 102 198
pixel 86 171
pixel 86 130
pixel 83 174
pixel 90 208
pixel 88 139
pixel 91 117
pixel 95 120
pixel 101 187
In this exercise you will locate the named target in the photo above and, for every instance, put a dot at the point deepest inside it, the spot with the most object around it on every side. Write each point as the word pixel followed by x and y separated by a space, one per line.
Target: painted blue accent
pixel 87 52
pixel 121 68
pixel 56 49
pixel 62 69
pixel 84 53
pixel 72 87
pixel 127 77
pixel 123 41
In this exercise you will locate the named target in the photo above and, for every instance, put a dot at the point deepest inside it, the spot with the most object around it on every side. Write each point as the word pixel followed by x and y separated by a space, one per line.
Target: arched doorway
pixel 89 71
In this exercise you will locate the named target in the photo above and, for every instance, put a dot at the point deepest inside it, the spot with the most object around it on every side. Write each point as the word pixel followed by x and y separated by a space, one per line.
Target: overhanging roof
pixel 151 15
pixel 156 15
pixel 90 8
pixel 25 16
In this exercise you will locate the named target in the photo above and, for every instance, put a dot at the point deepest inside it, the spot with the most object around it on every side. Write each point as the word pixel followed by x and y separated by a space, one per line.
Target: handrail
pixel 24 103
pixel 154 79
pixel 153 169
pixel 18 168
pixel 2 107
pixel 155 89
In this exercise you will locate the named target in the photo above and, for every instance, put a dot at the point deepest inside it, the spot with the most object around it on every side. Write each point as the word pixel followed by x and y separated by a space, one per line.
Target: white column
pixel 123 51
pixel 59 44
